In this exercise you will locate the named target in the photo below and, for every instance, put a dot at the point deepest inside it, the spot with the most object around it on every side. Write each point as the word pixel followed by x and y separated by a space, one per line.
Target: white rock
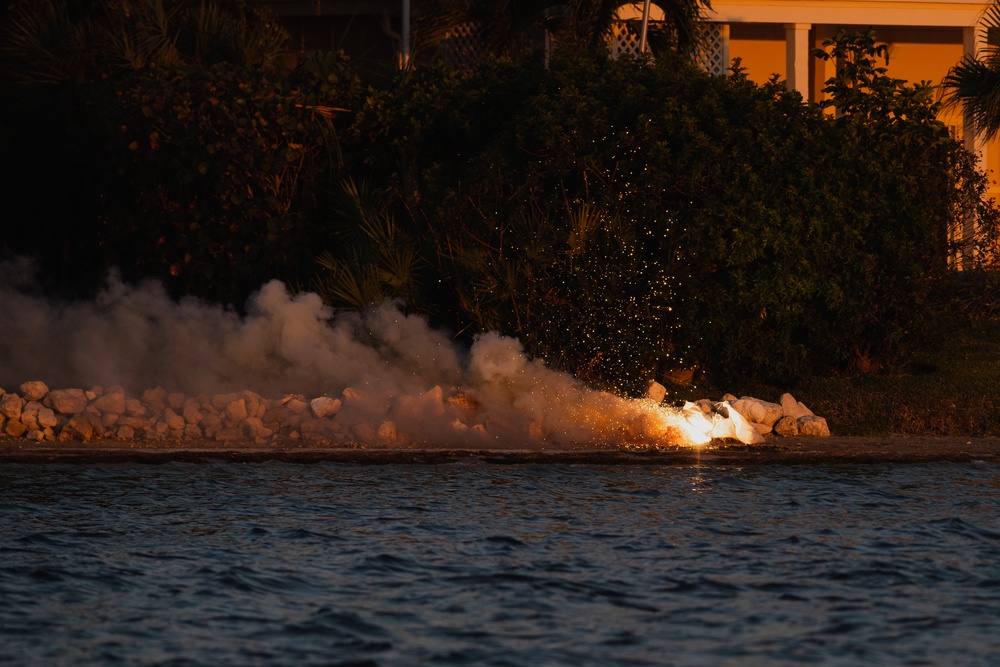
pixel 33 390
pixel 813 425
pixel 324 406
pixel 792 408
pixel 47 418
pixel 656 391
pixel 67 401
pixel 236 411
pixel 110 403
pixel 786 426
pixel 728 423
pixel 11 406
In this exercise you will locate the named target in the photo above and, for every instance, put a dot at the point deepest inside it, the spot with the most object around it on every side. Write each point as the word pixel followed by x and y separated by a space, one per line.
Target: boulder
pixel 786 426
pixel 110 403
pixel 67 401
pixel 11 406
pixel 236 411
pixel 324 406
pixel 656 392
pixel 34 390
pixel 792 408
pixel 813 425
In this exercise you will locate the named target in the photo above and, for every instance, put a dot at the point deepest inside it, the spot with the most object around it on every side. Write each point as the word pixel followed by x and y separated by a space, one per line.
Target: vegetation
pixel 974 83
pixel 951 390
pixel 627 219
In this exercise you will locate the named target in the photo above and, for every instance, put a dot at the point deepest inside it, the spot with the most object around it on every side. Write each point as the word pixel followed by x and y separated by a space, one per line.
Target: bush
pixel 218 173
pixel 627 218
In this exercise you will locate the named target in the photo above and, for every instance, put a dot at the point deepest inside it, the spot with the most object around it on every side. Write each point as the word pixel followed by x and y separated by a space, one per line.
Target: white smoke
pixel 381 362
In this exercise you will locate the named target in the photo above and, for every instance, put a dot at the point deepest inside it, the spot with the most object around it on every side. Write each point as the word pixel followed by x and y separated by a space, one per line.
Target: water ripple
pixel 276 564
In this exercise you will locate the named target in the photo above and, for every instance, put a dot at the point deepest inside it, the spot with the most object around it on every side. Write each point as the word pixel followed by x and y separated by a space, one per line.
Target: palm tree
pixel 72 41
pixel 974 83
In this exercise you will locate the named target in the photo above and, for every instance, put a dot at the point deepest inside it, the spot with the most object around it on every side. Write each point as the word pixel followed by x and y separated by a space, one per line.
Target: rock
pixel 134 407
pixel 277 415
pixel 192 411
pixel 110 403
pixel 176 401
pixel 15 428
pixel 155 400
pixel 77 428
pixel 257 429
pixel 792 408
pixel 236 411
pixel 34 390
pixel 786 426
pixel 363 432
pixel 46 418
pixel 11 406
pixel 295 405
pixel 174 421
pixel 67 401
pixel 813 425
pixel 220 401
pixel 29 415
pixel 758 411
pixel 656 392
pixel 324 406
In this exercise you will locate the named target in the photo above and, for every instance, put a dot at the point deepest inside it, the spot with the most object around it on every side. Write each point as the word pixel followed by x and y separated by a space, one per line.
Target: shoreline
pixel 785 451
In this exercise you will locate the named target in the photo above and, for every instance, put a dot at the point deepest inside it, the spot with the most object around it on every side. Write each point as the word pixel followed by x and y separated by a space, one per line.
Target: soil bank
pixel 833 450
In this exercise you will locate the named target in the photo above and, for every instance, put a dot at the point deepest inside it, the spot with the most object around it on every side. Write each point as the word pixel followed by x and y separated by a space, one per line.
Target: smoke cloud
pixel 383 364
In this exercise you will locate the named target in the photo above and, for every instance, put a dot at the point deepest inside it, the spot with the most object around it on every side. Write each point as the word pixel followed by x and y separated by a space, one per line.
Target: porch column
pixel 797 57
pixel 973 43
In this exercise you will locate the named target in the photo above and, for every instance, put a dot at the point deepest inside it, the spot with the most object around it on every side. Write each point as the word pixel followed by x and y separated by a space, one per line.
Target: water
pixel 475 564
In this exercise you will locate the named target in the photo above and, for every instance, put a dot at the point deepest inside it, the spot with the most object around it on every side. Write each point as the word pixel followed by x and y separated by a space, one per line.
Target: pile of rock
pixel 37 413
pixel 789 418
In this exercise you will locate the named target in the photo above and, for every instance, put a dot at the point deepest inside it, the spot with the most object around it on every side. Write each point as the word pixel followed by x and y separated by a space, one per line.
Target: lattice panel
pixel 460 47
pixel 623 39
pixel 713 54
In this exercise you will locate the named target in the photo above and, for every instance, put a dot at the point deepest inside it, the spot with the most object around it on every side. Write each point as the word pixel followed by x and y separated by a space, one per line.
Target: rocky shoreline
pixel 39 414
pixel 38 424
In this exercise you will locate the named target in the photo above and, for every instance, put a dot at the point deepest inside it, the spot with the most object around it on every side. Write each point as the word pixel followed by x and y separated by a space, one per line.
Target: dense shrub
pixel 218 173
pixel 626 218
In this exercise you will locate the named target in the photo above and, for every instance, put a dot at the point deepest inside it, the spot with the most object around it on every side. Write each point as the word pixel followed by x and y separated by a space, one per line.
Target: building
pixel 925 37
pixel 771 37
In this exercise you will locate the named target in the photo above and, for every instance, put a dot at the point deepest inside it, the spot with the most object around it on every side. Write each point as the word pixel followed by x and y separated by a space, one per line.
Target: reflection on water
pixel 499 565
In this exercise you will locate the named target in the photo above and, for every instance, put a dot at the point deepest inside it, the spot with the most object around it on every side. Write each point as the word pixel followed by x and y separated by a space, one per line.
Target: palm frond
pixel 974 83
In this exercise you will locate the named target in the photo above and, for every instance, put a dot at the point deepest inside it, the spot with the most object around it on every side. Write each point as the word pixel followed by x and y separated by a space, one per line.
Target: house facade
pixel 771 37
pixel 925 38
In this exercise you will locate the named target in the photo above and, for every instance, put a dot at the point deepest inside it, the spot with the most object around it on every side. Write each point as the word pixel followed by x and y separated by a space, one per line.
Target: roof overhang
pixel 849 12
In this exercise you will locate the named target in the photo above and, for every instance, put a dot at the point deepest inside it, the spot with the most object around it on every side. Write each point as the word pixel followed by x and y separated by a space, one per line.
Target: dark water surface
pixel 474 564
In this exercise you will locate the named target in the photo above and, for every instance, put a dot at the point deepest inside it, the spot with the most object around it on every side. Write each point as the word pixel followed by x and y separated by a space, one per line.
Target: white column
pixel 973 43
pixel 797 57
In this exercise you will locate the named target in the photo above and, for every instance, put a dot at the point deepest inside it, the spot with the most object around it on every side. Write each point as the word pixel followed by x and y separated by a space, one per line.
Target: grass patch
pixel 954 392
